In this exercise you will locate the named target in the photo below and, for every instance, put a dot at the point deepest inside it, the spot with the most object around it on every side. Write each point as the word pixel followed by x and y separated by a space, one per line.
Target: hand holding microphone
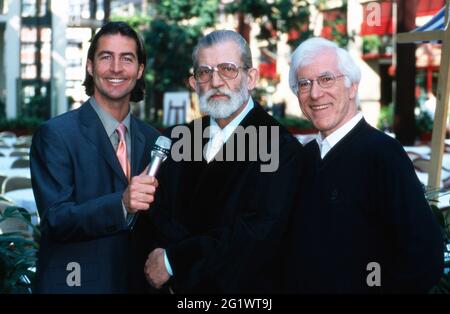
pixel 140 192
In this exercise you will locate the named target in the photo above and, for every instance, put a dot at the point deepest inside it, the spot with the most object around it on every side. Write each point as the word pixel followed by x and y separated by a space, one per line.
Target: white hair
pixel 308 51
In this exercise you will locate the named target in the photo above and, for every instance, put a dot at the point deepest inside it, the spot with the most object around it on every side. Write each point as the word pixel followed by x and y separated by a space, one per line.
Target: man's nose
pixel 216 79
pixel 316 91
pixel 115 66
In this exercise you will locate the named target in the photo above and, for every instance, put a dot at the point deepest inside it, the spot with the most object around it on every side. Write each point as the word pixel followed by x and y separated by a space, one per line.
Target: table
pixel 423 150
pixel 25 198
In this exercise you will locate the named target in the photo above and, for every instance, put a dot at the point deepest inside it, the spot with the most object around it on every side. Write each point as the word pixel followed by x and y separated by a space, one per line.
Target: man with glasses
pixel 220 221
pixel 363 224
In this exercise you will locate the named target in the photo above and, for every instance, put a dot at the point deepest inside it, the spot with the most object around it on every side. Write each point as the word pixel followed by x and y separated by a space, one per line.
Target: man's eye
pixel 203 71
pixel 326 79
pixel 228 68
pixel 303 83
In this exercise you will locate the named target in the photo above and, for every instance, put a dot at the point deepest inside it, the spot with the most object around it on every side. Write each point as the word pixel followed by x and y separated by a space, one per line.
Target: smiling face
pixel 223 99
pixel 327 108
pixel 115 69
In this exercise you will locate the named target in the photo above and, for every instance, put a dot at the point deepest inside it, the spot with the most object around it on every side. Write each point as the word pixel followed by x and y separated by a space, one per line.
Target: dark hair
pixel 122 28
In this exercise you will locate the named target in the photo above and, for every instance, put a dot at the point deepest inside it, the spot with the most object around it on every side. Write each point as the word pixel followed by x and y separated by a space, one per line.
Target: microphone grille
pixel 163 142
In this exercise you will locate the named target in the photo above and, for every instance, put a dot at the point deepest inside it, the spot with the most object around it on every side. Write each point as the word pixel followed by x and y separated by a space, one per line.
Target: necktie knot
pixel 121 130
pixel 121 151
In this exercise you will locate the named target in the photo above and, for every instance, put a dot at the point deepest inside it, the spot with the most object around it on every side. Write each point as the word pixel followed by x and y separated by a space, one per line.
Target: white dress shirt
pixel 326 144
pixel 218 137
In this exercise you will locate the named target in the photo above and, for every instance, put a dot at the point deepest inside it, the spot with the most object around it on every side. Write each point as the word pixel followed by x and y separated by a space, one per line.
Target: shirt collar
pixel 229 129
pixel 339 134
pixel 108 121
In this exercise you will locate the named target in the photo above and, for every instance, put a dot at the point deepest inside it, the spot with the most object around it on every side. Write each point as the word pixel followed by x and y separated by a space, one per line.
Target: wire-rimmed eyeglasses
pixel 325 80
pixel 226 70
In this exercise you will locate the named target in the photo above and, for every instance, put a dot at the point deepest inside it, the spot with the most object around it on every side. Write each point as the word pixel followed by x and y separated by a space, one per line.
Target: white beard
pixel 221 109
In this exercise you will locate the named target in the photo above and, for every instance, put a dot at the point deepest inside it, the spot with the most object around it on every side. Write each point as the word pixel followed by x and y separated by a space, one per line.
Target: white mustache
pixel 212 92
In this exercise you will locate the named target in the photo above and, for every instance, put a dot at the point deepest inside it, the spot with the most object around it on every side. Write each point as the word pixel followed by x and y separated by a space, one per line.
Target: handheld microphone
pixel 159 154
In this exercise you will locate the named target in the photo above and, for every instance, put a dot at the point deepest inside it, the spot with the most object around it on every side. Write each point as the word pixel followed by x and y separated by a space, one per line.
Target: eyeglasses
pixel 325 80
pixel 226 71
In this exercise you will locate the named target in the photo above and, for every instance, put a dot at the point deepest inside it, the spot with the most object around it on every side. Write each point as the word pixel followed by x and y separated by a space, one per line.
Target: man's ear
pixel 353 91
pixel 252 78
pixel 89 67
pixel 193 83
pixel 140 71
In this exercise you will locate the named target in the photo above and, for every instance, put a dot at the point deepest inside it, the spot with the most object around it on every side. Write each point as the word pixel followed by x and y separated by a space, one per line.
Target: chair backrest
pixel 2 155
pixel 447 183
pixel 421 164
pixel 22 145
pixel 2 178
pixel 413 155
pixel 7 134
pixel 13 224
pixel 21 163
pixel 20 153
pixel 15 183
pixel 25 138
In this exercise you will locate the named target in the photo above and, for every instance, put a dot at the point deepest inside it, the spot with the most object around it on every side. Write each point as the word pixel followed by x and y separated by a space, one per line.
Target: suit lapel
pixel 137 147
pixel 92 129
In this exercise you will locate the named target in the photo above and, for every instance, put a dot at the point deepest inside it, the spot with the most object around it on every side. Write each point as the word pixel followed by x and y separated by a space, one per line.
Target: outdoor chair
pixel 22 144
pixel 7 134
pixel 2 178
pixel 413 156
pixel 421 164
pixel 15 183
pixel 12 224
pixel 21 163
pixel 20 153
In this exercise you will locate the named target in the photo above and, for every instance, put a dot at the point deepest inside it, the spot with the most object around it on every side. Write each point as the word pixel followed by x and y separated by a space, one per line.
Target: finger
pixel 144 179
pixel 136 206
pixel 142 198
pixel 145 170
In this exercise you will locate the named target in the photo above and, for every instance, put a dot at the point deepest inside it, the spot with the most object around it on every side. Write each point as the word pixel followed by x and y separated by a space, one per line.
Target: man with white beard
pixel 219 223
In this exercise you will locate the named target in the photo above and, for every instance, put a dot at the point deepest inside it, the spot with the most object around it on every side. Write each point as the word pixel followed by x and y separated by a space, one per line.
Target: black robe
pixel 363 204
pixel 221 223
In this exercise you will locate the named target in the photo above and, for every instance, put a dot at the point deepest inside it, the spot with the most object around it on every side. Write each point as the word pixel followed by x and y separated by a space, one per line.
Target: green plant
pixel 276 18
pixel 386 118
pixel 28 124
pixel 17 253
pixel 2 110
pixel 424 122
pixel 443 219
pixel 371 44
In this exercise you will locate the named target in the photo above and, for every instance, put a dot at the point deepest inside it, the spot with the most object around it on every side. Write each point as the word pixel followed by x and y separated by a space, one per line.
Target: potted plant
pixel 424 126
pixel 443 218
pixel 17 252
